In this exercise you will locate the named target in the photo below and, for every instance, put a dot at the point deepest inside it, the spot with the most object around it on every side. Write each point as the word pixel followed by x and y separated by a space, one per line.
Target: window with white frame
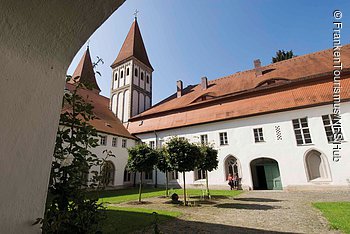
pixel 173 175
pixel 204 139
pixel 332 126
pixel 149 175
pixel 103 140
pixel 258 134
pixel 223 138
pixel 114 141
pixel 124 143
pixel 152 144
pixel 301 130
pixel 200 174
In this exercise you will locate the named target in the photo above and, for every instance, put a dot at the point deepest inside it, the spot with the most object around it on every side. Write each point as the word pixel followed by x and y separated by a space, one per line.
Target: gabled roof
pixel 84 72
pixel 133 46
pixel 298 82
pixel 105 120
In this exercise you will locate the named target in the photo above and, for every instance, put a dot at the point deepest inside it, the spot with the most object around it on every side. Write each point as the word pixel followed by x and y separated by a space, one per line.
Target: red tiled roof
pixel 244 94
pixel 84 72
pixel 105 120
pixel 133 46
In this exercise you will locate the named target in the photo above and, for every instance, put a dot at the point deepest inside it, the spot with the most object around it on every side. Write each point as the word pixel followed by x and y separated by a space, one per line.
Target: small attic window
pixel 136 72
pixel 121 74
pixel 116 76
pixel 147 79
pixel 108 125
pixel 127 71
pixel 141 75
pixel 272 81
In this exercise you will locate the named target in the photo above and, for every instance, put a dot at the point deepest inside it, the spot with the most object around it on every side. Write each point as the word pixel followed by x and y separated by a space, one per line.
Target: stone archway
pixel 38 42
pixel 317 167
pixel 265 174
pixel 108 172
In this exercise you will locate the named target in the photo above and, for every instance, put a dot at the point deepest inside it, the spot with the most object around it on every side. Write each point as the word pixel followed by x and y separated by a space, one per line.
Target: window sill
pixel 260 142
pixel 224 145
pixel 306 144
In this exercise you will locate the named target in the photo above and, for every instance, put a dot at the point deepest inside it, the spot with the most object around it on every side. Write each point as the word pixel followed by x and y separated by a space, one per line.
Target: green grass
pixel 337 214
pixel 126 220
pixel 125 195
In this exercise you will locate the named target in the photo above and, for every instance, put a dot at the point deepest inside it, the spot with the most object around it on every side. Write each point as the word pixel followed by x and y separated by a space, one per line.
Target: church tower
pixel 131 92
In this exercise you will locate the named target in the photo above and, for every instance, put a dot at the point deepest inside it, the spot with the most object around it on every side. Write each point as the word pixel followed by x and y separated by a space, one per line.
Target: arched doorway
pixel 232 166
pixel 265 174
pixel 317 168
pixel 108 171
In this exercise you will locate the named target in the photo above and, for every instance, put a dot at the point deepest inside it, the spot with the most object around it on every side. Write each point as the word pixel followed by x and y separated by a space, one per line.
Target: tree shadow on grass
pixel 126 220
pixel 243 206
pixel 257 199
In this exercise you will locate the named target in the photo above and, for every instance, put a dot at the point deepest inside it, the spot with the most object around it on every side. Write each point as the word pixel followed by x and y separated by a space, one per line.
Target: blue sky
pixel 189 39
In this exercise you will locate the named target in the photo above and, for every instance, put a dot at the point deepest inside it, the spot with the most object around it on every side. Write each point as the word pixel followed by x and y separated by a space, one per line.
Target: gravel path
pixel 252 212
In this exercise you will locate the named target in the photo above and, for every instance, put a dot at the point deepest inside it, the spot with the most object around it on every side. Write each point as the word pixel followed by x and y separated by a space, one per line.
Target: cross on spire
pixel 135 13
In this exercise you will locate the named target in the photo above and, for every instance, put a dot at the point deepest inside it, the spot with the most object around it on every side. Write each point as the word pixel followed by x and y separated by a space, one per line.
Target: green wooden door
pixel 273 178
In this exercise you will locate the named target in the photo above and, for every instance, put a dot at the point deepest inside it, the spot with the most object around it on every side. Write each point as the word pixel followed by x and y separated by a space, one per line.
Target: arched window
pixel 116 76
pixel 317 167
pixel 127 71
pixel 141 75
pixel 147 79
pixel 136 72
pixel 108 171
pixel 121 74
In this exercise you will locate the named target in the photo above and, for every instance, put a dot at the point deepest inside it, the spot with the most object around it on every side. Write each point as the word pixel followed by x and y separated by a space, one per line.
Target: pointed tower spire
pixel 133 46
pixel 85 72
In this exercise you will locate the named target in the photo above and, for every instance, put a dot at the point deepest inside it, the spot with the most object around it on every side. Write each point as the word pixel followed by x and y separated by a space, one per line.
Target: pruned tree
pixel 141 158
pixel 163 164
pixel 283 55
pixel 208 162
pixel 183 156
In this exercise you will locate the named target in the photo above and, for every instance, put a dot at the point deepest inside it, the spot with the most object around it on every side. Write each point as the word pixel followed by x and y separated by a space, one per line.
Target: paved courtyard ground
pixel 251 212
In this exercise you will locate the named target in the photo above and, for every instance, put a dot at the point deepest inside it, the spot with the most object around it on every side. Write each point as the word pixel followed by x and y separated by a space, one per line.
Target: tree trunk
pixel 206 181
pixel 156 178
pixel 185 202
pixel 140 189
pixel 166 184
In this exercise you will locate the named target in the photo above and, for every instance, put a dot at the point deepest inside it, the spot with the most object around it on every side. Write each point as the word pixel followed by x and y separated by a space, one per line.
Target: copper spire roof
pixel 133 47
pixel 85 73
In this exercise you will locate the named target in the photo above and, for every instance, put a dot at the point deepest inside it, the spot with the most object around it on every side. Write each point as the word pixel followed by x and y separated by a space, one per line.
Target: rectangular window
pixel 332 127
pixel 114 141
pixel 200 174
pixel 301 130
pixel 223 138
pixel 103 140
pixel 204 139
pixel 258 135
pixel 152 144
pixel 123 143
pixel 148 175
pixel 173 175
pixel 127 176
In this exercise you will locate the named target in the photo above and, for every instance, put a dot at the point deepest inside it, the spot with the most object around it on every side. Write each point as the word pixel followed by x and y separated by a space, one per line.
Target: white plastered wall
pixel 38 40
pixel 289 156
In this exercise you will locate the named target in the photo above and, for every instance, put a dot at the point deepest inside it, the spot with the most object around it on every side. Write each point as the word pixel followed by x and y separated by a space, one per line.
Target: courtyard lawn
pixel 126 220
pixel 131 194
pixel 337 214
